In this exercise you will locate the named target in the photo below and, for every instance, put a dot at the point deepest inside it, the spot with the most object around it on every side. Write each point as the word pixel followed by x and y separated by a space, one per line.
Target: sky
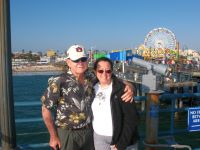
pixel 39 25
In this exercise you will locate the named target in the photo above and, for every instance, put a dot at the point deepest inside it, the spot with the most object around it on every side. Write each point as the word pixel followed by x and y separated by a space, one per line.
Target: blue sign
pixel 194 119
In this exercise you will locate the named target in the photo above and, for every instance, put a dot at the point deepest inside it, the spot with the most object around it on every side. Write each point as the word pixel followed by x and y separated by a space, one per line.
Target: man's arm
pixel 47 117
pixel 129 92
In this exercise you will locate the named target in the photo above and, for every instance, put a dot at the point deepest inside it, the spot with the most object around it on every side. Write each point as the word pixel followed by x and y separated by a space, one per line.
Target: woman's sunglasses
pixel 106 71
pixel 83 59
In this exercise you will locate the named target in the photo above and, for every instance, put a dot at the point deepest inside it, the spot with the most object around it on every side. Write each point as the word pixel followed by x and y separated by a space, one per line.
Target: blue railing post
pixel 152 113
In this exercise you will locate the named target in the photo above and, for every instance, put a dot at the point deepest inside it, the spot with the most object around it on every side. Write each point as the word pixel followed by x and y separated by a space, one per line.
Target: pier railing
pixel 166 119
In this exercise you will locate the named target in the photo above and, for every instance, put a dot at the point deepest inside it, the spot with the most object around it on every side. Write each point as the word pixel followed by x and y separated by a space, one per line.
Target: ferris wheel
pixel 160 38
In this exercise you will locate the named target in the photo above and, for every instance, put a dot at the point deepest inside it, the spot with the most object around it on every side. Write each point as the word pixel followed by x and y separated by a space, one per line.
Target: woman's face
pixel 104 72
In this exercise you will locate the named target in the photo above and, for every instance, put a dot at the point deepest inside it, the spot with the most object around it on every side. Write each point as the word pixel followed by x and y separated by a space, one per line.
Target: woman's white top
pixel 102 121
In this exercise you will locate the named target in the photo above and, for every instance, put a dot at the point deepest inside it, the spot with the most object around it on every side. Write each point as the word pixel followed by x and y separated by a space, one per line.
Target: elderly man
pixel 69 97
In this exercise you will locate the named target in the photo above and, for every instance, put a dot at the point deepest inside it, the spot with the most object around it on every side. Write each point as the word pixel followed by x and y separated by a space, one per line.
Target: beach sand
pixel 41 68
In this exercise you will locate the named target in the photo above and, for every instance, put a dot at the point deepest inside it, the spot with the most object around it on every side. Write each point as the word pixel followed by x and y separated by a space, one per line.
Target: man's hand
pixel 128 92
pixel 54 143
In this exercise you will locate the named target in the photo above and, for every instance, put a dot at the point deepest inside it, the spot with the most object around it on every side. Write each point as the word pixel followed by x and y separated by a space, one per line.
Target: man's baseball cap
pixel 76 52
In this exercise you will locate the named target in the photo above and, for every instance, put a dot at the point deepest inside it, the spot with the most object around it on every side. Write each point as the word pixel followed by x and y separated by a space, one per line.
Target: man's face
pixel 79 66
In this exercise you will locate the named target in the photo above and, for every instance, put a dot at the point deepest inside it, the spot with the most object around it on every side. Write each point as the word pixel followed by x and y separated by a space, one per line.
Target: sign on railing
pixel 194 119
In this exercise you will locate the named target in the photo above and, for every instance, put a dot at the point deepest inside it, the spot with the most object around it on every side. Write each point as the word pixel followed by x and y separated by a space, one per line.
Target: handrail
pixel 27 103
pixel 39 119
pixel 168 97
pixel 28 146
pixel 167 145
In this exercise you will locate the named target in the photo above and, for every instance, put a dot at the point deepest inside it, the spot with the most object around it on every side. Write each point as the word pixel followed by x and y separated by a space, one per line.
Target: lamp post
pixel 91 53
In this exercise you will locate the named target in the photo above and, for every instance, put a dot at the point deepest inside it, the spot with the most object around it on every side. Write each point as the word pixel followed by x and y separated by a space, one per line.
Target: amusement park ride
pixel 160 38
pixel 160 44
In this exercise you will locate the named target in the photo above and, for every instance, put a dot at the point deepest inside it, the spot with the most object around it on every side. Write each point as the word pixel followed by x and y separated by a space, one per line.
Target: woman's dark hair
pixel 103 59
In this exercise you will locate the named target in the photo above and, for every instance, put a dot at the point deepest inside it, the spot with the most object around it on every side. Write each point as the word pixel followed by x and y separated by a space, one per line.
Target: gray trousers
pixel 103 143
pixel 81 139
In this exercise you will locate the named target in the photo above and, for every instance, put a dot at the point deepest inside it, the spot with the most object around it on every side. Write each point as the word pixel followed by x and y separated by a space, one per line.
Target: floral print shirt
pixel 70 99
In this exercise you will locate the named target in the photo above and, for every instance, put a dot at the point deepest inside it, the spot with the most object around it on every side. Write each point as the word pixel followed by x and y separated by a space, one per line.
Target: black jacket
pixel 124 116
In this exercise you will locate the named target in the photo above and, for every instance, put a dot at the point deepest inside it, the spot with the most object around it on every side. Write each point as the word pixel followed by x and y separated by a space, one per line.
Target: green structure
pixel 99 55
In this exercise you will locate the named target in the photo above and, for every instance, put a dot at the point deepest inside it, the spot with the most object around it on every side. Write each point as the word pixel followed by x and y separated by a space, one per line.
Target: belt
pixel 88 126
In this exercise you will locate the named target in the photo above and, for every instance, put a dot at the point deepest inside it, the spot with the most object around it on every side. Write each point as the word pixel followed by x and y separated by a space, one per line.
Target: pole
pixel 123 60
pixel 177 49
pixel 7 122
pixel 152 120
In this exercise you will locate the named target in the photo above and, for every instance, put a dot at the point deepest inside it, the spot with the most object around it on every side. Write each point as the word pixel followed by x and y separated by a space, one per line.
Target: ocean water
pixel 28 87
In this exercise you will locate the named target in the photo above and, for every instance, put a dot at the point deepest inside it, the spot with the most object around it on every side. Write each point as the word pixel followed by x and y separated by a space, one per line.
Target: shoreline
pixel 42 68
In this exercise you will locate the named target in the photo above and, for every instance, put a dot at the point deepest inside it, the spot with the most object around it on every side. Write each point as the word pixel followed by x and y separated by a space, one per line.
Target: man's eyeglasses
pixel 83 59
pixel 106 71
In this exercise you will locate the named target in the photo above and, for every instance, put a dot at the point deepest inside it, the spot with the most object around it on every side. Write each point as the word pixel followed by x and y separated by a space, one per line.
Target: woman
pixel 115 121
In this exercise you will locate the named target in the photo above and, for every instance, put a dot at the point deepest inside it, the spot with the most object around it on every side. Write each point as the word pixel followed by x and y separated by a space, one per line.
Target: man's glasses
pixel 83 59
pixel 106 71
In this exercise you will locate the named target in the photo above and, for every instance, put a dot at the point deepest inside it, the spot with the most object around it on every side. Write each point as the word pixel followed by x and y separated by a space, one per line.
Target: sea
pixel 28 87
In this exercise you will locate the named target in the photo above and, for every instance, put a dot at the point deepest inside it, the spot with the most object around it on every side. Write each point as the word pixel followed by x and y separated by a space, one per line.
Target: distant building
pixel 19 62
pixel 60 59
pixel 51 53
pixel 43 61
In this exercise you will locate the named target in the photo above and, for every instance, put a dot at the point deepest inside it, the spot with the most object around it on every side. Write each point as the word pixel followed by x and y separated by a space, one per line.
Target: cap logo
pixel 79 49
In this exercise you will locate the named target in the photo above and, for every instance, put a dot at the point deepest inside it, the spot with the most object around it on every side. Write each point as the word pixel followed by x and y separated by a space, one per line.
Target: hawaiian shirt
pixel 70 100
